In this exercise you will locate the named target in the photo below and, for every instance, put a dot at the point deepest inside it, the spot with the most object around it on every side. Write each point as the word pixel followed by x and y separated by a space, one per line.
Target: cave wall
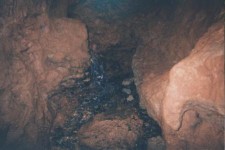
pixel 168 91
pixel 37 53
pixel 196 90
pixel 170 38
pixel 39 48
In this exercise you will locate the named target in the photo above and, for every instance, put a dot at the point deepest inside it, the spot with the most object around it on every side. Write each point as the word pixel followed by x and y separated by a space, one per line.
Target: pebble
pixel 75 114
pixel 50 55
pixel 127 91
pixel 87 80
pixel 79 75
pixel 68 83
pixel 127 82
pixel 130 98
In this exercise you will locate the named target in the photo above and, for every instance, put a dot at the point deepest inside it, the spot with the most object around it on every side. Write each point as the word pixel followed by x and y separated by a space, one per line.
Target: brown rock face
pixel 111 133
pixel 193 105
pixel 188 100
pixel 36 53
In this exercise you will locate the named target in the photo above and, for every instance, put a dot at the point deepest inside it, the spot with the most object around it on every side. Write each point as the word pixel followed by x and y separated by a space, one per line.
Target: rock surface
pixel 188 99
pixel 111 133
pixel 36 53
pixel 42 58
pixel 156 143
pixel 193 105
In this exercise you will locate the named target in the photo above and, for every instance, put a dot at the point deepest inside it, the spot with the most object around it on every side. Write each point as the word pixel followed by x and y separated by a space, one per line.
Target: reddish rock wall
pixel 186 95
pixel 193 108
pixel 36 53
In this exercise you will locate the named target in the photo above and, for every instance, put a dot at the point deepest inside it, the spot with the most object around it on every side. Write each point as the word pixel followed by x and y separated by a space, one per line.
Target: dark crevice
pixel 100 90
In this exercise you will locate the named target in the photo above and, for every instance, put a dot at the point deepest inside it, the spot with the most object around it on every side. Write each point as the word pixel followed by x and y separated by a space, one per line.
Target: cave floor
pixel 99 92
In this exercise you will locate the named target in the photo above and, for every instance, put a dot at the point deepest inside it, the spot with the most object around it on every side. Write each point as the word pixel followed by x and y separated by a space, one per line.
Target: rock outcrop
pixel 36 54
pixel 111 132
pixel 187 99
pixel 193 106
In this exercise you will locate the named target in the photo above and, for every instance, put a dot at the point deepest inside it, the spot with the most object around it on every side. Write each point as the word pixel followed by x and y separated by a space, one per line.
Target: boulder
pixel 187 99
pixel 193 105
pixel 106 132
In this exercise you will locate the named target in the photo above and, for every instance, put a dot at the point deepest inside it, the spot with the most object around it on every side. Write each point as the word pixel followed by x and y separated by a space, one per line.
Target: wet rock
pixel 106 132
pixel 130 98
pixel 87 80
pixel 127 91
pixel 156 143
pixel 97 96
pixel 127 82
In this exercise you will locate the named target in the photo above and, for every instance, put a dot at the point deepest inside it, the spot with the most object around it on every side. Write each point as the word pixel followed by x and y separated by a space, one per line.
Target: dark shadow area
pixel 105 88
